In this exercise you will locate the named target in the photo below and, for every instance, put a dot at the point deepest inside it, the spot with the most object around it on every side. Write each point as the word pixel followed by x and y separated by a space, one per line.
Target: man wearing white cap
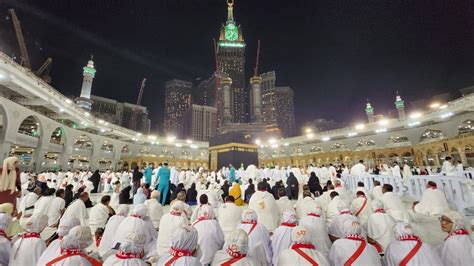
pixel 5 244
pixel 407 249
pixel 183 246
pixel 210 235
pixel 259 239
pixel 379 225
pixel 107 241
pixel 54 250
pixel 457 248
pixel 168 225
pixel 302 251
pixel 265 206
pixel 353 249
pixel 73 247
pixel 27 248
pixel 154 208
pixel 235 253
pixel 315 224
pixel 138 221
pixel 281 238
pixel 130 252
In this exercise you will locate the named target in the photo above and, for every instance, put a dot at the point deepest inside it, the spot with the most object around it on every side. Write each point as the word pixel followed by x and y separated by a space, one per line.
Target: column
pixel 256 99
pixel 227 116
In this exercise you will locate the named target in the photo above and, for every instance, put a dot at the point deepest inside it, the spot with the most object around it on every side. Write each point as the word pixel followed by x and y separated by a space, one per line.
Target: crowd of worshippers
pixel 222 220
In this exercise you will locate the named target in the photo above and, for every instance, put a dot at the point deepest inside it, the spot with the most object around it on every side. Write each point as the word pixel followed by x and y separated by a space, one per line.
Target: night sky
pixel 334 54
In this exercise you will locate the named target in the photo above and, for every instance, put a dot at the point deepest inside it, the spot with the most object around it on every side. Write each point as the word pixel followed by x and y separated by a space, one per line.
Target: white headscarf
pixel 122 210
pixel 155 194
pixel 376 204
pixel 66 224
pixel 36 223
pixel 313 208
pixel 177 208
pixel 140 210
pixel 351 227
pixel 300 235
pixel 185 238
pixel 5 220
pixel 288 216
pixel 459 222
pixel 249 215
pixel 6 208
pixel 342 206
pixel 134 243
pixel 206 212
pixel 402 229
pixel 238 241
pixel 8 180
pixel 79 237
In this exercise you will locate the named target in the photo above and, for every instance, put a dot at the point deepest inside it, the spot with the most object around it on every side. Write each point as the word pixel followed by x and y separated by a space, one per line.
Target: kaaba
pixel 232 148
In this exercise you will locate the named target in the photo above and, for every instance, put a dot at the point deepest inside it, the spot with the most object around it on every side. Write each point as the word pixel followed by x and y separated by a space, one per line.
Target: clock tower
pixel 231 61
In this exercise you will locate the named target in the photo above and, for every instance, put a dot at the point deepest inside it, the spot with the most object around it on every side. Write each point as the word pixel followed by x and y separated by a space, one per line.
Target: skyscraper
pixel 177 101
pixel 89 71
pixel 231 61
pixel 277 107
pixel 199 123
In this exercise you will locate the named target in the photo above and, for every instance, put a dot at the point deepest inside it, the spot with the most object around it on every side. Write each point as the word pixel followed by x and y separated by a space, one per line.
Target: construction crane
pixel 43 71
pixel 255 69
pixel 25 58
pixel 133 120
pixel 218 102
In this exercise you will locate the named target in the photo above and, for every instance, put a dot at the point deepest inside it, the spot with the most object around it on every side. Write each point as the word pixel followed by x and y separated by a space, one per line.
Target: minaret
pixel 369 110
pixel 400 105
pixel 256 93
pixel 256 99
pixel 84 100
pixel 227 116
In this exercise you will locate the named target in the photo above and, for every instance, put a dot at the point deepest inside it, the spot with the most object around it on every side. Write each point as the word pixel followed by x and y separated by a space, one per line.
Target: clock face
pixel 231 32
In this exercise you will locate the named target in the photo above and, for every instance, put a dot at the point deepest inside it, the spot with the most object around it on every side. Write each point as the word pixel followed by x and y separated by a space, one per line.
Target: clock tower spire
pixel 230 11
pixel 231 62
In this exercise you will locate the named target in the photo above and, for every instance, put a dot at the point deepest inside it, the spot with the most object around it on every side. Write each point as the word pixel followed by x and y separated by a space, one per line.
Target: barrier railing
pixel 457 189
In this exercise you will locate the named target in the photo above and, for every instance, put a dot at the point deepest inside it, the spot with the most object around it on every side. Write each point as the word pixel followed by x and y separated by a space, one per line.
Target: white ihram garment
pixel 98 216
pixel 77 209
pixel 155 211
pixel 360 207
pixel 210 239
pixel 258 239
pixel 281 238
pixel 264 204
pixel 393 205
pixel 228 216
pixel 168 225
pixel 432 203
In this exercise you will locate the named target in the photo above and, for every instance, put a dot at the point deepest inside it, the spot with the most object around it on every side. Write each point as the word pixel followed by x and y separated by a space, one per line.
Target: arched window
pixel 58 136
pixel 30 126
pixel 466 127
pixel 338 146
pixel 316 149
pixel 431 135
pixel 107 147
pixel 83 142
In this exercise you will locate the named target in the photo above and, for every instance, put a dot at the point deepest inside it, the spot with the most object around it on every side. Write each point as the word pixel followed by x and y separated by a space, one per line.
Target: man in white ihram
pixel 448 169
pixel 229 215
pixel 358 169
pixel 265 206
